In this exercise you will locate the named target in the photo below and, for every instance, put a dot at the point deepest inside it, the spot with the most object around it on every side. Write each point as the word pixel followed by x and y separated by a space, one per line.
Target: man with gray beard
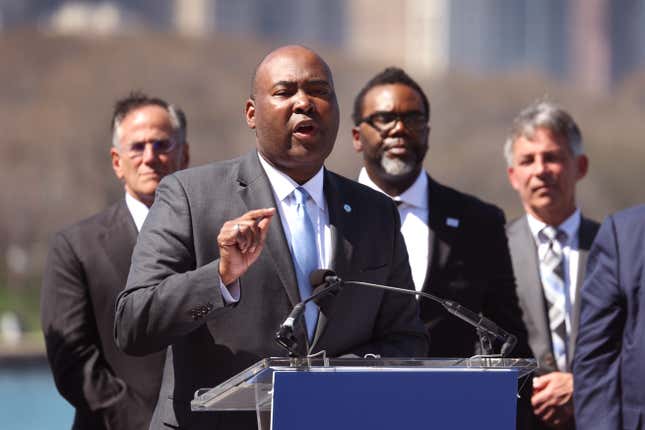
pixel 456 243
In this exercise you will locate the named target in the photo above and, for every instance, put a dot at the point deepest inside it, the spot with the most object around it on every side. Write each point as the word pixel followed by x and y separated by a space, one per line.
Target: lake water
pixel 29 400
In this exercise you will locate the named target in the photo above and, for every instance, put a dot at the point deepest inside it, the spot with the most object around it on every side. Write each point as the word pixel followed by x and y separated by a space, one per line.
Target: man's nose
pixel 539 167
pixel 302 102
pixel 399 124
pixel 398 128
pixel 149 152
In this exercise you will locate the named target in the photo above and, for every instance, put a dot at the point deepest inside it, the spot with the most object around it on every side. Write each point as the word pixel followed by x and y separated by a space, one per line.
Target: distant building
pixel 592 43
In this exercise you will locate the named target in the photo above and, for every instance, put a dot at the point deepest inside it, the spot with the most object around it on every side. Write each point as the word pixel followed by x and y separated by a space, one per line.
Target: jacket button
pixel 549 361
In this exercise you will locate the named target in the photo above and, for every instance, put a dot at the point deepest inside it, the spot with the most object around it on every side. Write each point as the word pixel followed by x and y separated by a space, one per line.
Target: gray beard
pixel 397 166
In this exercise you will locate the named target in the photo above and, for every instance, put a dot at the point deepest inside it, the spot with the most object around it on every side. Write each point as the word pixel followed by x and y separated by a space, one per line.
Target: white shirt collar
pixel 283 185
pixel 416 195
pixel 570 226
pixel 138 210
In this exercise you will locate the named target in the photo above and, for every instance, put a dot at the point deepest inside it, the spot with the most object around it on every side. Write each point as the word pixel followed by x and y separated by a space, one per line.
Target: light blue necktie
pixel 305 255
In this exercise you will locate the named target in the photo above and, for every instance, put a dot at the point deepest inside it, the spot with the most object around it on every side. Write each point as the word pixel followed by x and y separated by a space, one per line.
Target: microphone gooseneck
pixel 474 319
pixel 327 283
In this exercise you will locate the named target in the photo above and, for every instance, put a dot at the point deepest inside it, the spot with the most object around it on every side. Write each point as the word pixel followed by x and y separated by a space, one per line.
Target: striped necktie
pixel 553 284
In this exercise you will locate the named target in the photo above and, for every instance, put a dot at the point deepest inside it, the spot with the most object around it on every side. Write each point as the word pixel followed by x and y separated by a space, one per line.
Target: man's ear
pixel 426 139
pixel 249 112
pixel 116 163
pixel 356 139
pixel 510 172
pixel 582 165
pixel 185 156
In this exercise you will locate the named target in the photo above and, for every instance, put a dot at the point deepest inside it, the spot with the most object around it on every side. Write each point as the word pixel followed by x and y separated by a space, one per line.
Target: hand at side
pixel 552 398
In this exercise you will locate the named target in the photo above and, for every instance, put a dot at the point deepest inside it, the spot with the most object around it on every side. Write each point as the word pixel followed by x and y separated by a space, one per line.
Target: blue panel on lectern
pixel 394 400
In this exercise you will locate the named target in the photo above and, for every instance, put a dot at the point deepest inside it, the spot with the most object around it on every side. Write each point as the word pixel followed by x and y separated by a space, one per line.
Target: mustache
pixel 393 142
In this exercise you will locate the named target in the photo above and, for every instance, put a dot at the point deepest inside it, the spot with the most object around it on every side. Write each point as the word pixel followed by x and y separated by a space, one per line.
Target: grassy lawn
pixel 25 302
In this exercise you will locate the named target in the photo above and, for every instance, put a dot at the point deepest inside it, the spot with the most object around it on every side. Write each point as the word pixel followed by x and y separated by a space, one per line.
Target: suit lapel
pixel 256 192
pixel 341 228
pixel 586 235
pixel 339 223
pixel 119 239
pixel 440 238
pixel 529 289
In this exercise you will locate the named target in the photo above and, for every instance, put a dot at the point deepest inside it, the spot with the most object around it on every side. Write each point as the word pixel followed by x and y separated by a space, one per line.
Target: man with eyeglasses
pixel 456 243
pixel 88 266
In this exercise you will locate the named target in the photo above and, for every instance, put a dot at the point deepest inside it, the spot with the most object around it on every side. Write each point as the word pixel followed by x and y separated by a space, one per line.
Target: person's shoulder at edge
pixel 89 224
pixel 634 214
pixel 512 225
pixel 360 190
pixel 199 172
pixel 469 205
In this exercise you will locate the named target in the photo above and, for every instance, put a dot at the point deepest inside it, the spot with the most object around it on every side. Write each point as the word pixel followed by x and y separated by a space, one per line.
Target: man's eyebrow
pixel 283 84
pixel 318 82
pixel 308 82
pixel 394 111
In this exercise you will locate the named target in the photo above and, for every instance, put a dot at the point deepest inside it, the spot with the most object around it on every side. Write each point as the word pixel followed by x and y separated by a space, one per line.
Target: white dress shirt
pixel 138 210
pixel 283 186
pixel 570 252
pixel 414 212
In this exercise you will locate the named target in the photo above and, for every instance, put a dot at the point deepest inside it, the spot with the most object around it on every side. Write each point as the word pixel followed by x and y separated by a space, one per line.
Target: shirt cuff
pixel 230 293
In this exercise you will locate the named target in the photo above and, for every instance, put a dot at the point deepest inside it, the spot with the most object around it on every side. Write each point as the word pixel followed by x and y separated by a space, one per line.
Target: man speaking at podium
pixel 227 250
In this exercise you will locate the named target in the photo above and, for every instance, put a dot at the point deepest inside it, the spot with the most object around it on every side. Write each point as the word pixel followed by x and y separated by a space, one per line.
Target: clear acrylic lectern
pixel 351 393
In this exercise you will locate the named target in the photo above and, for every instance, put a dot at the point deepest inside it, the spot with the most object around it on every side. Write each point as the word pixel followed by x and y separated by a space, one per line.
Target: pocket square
pixel 452 222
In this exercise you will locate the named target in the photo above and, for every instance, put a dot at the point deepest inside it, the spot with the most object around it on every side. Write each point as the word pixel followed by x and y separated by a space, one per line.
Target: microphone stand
pixel 285 335
pixel 486 329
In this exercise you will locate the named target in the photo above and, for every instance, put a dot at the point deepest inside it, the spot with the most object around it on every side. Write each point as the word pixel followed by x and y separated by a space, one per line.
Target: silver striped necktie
pixel 553 283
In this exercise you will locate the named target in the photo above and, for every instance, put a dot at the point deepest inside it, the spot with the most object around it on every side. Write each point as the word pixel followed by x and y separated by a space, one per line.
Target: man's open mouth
pixel 305 128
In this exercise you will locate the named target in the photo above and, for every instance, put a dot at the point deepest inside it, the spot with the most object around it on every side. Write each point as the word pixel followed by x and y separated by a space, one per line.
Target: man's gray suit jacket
pixel 173 297
pixel 87 268
pixel 526 267
pixel 531 296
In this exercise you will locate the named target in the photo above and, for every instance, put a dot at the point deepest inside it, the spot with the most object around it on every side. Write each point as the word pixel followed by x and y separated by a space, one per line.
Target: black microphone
pixel 285 335
pixel 326 284
pixel 320 277
pixel 481 323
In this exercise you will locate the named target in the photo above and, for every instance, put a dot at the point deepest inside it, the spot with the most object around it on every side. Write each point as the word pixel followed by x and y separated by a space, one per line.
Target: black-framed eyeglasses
pixel 159 146
pixel 385 121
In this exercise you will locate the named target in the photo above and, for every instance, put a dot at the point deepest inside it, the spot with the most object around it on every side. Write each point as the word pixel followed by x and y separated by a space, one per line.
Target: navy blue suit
pixel 609 362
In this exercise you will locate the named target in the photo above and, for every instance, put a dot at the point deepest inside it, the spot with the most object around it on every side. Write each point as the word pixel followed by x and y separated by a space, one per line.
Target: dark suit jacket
pixel 526 266
pixel 87 267
pixel 609 361
pixel 469 263
pixel 173 295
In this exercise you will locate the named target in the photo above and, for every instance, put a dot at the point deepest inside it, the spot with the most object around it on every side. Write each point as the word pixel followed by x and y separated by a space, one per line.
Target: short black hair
pixel 138 99
pixel 391 75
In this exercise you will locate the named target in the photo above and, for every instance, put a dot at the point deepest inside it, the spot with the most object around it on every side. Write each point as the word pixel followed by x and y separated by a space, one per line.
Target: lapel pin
pixel 452 222
pixel 347 208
